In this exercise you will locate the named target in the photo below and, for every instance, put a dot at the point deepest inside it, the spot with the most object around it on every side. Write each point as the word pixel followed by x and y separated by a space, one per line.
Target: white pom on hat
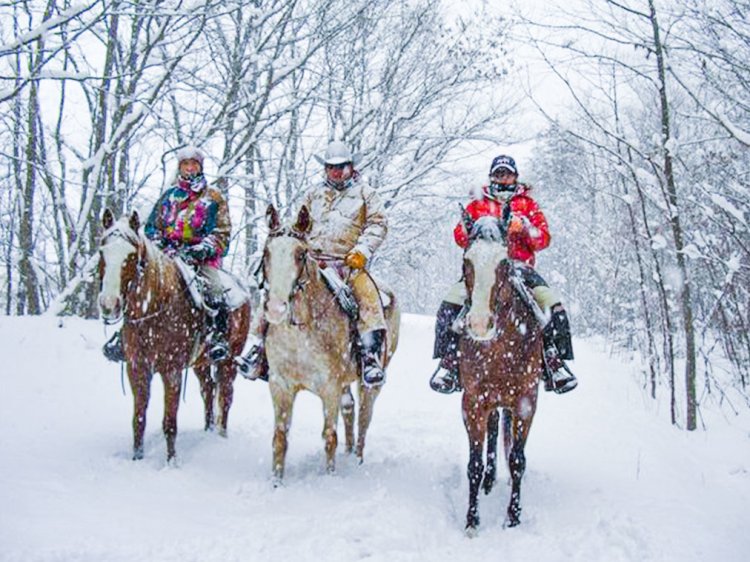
pixel 191 153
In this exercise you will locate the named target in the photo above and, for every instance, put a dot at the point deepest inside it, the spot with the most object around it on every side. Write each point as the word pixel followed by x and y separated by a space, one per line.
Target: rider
pixel 527 234
pixel 191 221
pixel 348 226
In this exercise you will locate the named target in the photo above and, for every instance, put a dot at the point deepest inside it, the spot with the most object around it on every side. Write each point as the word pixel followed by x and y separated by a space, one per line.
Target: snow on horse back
pixel 310 341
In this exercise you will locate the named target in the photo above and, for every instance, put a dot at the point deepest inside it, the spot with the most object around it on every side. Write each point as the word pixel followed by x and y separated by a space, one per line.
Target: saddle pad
pixel 235 294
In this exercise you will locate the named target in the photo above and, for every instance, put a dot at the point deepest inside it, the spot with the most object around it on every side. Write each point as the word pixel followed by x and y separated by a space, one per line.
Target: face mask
pixel 501 192
pixel 194 182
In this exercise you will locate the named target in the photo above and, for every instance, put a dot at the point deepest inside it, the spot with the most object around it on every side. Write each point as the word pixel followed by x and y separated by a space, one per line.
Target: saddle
pixel 235 294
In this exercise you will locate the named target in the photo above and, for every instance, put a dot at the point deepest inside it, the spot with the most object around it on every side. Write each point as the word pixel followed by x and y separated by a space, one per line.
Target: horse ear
pixel 135 221
pixel 272 218
pixel 304 223
pixel 466 218
pixel 108 219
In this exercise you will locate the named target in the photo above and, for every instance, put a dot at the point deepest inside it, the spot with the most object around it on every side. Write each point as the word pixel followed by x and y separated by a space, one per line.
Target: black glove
pixel 198 253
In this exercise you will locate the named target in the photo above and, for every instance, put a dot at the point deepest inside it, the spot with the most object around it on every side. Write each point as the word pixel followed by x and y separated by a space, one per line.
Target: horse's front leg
pixel 490 473
pixel 172 386
pixel 330 417
pixel 208 390
pixel 475 420
pixel 283 402
pixel 367 398
pixel 347 412
pixel 517 465
pixel 140 385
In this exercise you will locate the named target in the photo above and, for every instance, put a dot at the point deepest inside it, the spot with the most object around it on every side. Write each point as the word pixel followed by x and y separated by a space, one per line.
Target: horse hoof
pixel 138 455
pixel 471 532
pixel 512 522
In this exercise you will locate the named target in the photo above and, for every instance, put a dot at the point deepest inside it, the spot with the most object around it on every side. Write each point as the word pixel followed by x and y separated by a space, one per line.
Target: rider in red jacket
pixel 527 234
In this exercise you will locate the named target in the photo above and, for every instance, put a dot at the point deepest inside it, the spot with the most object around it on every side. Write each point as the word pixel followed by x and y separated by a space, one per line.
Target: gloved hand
pixel 355 259
pixel 516 227
pixel 198 253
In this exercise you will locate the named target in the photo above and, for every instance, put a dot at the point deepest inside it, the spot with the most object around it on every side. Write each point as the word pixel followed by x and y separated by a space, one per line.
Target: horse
pixel 500 363
pixel 163 328
pixel 309 343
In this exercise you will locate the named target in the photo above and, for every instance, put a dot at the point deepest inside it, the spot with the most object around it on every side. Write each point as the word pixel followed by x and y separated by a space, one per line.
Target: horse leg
pixel 367 398
pixel 517 466
pixel 347 412
pixel 140 385
pixel 493 422
pixel 330 417
pixel 227 372
pixel 208 389
pixel 172 385
pixel 475 421
pixel 283 402
pixel 507 435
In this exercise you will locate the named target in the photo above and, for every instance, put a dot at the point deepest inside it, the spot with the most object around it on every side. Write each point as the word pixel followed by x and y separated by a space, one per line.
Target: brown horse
pixel 163 329
pixel 309 342
pixel 500 364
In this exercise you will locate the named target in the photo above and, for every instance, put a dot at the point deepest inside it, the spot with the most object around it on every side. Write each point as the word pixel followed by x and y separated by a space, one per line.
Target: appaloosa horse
pixel 163 329
pixel 500 363
pixel 309 342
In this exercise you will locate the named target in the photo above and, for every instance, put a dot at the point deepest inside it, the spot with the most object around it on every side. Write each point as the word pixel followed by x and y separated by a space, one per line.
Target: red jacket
pixel 523 246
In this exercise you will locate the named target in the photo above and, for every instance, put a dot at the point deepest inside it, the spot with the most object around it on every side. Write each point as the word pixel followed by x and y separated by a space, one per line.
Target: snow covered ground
pixel 607 477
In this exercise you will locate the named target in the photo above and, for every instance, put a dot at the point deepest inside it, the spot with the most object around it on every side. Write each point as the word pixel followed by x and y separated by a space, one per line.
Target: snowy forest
pixel 630 118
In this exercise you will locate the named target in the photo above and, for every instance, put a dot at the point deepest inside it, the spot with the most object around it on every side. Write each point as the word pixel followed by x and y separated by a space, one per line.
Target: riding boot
pixel 112 350
pixel 218 349
pixel 445 379
pixel 373 373
pixel 556 339
pixel 254 365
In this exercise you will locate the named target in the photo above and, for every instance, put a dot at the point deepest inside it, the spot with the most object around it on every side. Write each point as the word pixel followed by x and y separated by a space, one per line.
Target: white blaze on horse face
pixel 115 252
pixel 282 275
pixel 484 256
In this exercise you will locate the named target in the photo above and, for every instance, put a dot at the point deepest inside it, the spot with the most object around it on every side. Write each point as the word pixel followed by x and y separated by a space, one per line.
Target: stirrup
pixel 250 364
pixel 112 350
pixel 218 351
pixel 445 381
pixel 558 377
pixel 372 373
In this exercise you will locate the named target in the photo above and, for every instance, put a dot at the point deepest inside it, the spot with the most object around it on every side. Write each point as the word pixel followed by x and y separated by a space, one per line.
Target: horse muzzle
pixel 111 308
pixel 481 327
pixel 276 311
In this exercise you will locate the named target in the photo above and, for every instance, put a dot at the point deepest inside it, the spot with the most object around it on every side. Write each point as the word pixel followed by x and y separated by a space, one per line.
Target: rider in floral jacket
pixel 191 220
pixel 527 234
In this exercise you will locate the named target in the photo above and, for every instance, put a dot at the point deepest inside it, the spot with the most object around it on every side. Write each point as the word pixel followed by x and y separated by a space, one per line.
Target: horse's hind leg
pixel 172 386
pixel 208 390
pixel 227 372
pixel 367 398
pixel 517 465
pixel 140 385
pixel 490 473
pixel 347 412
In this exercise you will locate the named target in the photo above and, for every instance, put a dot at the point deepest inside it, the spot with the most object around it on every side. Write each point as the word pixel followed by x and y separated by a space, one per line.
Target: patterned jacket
pixel 523 246
pixel 345 220
pixel 182 218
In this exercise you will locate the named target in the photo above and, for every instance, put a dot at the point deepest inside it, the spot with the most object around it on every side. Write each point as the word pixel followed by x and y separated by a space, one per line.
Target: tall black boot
pixel 373 373
pixel 445 379
pixel 558 347
pixel 218 347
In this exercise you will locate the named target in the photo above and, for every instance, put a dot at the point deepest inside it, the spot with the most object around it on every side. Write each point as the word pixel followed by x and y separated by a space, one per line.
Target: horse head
pixel 482 263
pixel 118 262
pixel 285 260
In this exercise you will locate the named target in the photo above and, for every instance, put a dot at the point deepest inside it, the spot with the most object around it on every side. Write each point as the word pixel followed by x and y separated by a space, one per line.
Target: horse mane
pixel 487 228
